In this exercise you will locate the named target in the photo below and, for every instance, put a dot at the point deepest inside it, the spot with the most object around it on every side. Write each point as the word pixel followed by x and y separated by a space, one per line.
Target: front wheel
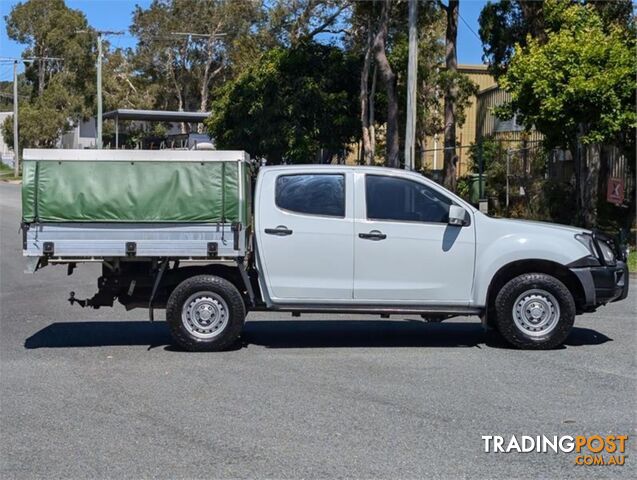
pixel 534 311
pixel 205 313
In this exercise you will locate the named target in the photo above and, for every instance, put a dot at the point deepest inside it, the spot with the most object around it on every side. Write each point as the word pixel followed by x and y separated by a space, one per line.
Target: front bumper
pixel 603 284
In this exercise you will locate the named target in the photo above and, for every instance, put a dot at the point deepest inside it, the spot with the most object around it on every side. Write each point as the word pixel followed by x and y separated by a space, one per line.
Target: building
pixel 489 125
pixel 466 134
pixel 82 135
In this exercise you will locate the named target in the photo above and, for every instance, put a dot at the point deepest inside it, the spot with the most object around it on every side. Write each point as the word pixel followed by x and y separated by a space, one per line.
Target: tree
pixel 387 75
pixel 451 95
pixel 187 66
pixel 121 87
pixel 507 23
pixel 366 96
pixel 433 77
pixel 291 22
pixel 577 87
pixel 43 119
pixel 60 91
pixel 373 30
pixel 293 103
pixel 48 29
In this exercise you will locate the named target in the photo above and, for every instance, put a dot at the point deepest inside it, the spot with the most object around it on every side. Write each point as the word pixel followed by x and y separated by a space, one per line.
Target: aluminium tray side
pixel 105 240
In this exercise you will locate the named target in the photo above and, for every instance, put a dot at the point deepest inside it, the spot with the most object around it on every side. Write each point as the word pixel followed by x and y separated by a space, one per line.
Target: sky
pixel 116 15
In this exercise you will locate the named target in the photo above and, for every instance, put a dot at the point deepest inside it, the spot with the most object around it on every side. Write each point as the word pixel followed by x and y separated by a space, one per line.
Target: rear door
pixel 305 231
pixel 405 250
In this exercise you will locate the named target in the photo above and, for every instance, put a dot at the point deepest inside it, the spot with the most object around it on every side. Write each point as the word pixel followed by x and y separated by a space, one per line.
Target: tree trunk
pixel 364 99
pixel 421 142
pixel 372 128
pixel 204 91
pixel 586 159
pixel 178 93
pixel 451 93
pixel 389 80
pixel 41 73
pixel 590 185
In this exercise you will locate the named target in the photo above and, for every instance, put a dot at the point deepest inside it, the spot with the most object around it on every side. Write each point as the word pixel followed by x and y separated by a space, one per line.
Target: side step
pixel 383 310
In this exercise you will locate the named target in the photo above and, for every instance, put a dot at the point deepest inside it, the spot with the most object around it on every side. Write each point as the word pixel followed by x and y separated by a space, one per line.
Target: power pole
pixel 98 140
pixel 16 146
pixel 100 36
pixel 412 74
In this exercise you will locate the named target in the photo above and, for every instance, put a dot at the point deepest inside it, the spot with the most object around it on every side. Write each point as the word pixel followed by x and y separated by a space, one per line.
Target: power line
pixel 202 35
pixel 469 27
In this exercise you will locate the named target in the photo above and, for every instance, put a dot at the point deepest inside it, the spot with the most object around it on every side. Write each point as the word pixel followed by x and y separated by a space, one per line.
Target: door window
pixel 313 194
pixel 399 199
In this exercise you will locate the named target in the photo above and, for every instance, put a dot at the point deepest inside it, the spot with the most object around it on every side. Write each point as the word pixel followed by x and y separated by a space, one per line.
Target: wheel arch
pixel 513 269
pixel 230 273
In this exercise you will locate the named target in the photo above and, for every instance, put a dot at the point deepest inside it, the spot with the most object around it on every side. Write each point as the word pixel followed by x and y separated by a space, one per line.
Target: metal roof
pixel 156 115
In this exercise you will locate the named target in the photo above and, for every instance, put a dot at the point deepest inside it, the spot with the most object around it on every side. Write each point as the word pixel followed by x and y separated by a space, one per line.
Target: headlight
pixel 607 253
pixel 586 239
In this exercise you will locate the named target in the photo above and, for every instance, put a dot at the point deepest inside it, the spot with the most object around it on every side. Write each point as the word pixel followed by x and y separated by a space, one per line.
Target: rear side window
pixel 313 194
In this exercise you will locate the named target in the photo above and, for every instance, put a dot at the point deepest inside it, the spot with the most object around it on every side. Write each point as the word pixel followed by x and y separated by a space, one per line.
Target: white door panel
pixel 428 263
pixel 311 260
pixel 409 260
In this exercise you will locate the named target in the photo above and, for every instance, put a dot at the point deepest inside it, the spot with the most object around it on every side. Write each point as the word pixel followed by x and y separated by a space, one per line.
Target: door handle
pixel 280 231
pixel 373 235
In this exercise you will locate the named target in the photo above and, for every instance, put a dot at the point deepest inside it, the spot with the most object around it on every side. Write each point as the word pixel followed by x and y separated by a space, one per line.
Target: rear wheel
pixel 534 311
pixel 205 313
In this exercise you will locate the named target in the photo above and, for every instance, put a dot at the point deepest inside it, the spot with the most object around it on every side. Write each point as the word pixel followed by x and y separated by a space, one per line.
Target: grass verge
pixel 6 173
pixel 632 261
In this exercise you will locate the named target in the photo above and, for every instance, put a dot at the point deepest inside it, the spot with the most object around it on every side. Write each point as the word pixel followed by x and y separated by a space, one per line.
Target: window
pixel 391 198
pixel 316 194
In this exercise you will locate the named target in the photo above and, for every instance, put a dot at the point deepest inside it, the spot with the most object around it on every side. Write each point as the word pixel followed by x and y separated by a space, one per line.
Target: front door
pixel 405 250
pixel 305 234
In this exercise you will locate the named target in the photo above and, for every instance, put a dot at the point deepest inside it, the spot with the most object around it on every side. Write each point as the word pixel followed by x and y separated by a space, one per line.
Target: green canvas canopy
pixel 134 186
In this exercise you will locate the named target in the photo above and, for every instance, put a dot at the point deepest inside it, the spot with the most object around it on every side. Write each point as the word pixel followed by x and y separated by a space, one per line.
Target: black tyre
pixel 534 311
pixel 205 313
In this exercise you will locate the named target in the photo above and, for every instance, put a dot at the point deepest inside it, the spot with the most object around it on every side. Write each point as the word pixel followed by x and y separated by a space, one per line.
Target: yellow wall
pixel 466 134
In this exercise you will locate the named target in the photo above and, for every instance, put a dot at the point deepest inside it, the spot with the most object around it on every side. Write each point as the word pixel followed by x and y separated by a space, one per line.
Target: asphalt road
pixel 100 393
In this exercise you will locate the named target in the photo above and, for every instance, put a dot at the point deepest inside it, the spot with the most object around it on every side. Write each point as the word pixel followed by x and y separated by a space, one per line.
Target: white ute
pixel 376 241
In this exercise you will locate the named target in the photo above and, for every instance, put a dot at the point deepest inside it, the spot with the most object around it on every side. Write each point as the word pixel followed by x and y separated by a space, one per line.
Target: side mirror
pixel 457 215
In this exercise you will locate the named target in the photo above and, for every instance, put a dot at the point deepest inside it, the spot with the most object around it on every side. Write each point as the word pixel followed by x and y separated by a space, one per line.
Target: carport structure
pixel 152 116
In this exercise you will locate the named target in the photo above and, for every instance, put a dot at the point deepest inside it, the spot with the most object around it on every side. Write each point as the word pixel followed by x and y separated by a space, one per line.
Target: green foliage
pixel 502 26
pixel 289 105
pixel 490 150
pixel 463 187
pixel 49 28
pixel 45 118
pixel 432 78
pixel 581 77
pixel 59 91
pixel 122 88
pixel 182 69
pixel 507 23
